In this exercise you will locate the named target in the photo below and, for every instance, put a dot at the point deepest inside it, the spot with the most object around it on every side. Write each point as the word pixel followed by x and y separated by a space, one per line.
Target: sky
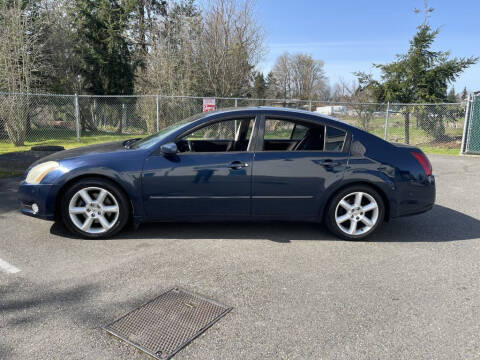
pixel 351 35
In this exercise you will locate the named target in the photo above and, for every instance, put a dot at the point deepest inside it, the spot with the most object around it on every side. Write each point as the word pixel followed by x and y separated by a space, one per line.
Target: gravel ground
pixel 412 291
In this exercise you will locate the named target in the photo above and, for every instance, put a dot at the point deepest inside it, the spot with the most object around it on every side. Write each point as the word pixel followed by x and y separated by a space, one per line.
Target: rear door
pixel 290 177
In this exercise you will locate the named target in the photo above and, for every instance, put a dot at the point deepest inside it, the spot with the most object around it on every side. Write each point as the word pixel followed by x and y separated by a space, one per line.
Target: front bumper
pixel 43 195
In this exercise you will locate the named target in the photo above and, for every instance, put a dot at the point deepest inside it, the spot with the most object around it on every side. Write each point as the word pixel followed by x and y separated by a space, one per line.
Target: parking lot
pixel 412 291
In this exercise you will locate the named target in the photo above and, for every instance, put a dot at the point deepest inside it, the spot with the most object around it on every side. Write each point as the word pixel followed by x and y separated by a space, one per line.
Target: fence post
pixel 236 104
pixel 77 116
pixel 158 116
pixel 465 124
pixel 387 117
pixel 310 105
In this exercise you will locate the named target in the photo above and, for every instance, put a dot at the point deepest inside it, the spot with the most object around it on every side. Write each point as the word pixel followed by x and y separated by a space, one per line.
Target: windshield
pixel 152 139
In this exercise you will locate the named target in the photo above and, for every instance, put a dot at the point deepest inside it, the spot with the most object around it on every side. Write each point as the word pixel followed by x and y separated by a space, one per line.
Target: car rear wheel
pixel 355 212
pixel 94 208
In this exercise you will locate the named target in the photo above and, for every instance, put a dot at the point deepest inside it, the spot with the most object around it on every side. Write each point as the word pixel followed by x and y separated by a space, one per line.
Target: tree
pixel 271 86
pixel 420 75
pixel 464 93
pixel 230 46
pixel 360 95
pixel 259 86
pixel 20 62
pixel 300 76
pixel 102 47
pixel 282 73
pixel 452 96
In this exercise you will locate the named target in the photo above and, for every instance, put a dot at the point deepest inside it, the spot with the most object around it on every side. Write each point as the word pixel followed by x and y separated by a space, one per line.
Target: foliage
pixel 259 89
pixel 420 75
pixel 105 58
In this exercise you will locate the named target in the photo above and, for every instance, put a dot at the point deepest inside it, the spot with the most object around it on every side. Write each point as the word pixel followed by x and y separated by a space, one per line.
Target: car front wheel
pixel 355 212
pixel 94 208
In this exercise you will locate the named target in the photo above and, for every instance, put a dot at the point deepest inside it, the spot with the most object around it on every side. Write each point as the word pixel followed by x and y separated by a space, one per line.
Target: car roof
pixel 278 111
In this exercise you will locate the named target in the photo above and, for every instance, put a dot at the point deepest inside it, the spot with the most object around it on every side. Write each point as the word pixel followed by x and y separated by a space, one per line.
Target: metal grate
pixel 168 323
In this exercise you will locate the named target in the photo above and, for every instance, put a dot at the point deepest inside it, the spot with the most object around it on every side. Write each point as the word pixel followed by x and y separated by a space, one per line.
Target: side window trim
pixel 261 134
pixel 253 117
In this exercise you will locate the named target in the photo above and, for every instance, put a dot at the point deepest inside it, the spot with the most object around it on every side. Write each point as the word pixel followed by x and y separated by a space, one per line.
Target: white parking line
pixel 9 268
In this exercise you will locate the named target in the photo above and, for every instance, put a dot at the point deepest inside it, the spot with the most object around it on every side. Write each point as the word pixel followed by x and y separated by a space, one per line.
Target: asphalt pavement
pixel 411 292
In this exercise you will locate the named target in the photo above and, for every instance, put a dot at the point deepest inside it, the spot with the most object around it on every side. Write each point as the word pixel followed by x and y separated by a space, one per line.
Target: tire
pixel 103 216
pixel 344 214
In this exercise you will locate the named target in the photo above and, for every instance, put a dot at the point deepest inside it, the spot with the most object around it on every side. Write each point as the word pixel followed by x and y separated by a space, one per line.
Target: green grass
pixel 440 151
pixel 63 137
pixel 4 174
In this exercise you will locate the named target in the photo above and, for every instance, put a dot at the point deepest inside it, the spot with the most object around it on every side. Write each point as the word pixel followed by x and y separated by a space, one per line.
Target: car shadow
pixel 438 225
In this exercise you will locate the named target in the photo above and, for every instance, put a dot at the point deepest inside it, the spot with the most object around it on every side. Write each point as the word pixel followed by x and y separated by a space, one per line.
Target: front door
pixel 209 177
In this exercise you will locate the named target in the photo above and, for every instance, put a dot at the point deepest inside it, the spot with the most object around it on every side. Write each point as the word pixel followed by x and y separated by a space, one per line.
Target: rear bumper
pixel 43 195
pixel 415 197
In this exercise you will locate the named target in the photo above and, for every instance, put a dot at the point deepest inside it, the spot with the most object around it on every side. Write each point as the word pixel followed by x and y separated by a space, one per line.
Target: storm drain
pixel 166 324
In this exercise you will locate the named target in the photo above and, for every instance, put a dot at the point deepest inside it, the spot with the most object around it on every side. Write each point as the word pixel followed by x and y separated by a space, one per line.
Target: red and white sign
pixel 208 104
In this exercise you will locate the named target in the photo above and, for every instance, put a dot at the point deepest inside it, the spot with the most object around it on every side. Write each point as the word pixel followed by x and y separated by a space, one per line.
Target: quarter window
pixel 335 139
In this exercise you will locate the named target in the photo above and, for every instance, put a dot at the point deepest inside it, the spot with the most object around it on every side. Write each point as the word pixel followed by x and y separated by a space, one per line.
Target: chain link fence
pixel 71 120
pixel 471 138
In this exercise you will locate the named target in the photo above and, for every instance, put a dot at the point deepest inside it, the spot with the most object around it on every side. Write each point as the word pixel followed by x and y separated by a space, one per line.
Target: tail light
pixel 423 161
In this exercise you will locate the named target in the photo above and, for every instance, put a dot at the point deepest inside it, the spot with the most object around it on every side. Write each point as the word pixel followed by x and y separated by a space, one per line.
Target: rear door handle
pixel 236 165
pixel 329 163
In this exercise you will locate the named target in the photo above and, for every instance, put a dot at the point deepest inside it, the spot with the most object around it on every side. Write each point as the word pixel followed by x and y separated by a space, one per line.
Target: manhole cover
pixel 166 324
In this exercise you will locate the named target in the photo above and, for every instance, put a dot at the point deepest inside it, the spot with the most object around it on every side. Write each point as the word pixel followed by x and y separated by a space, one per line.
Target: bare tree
pixel 308 76
pixel 282 72
pixel 342 90
pixel 361 99
pixel 300 76
pixel 231 45
pixel 19 62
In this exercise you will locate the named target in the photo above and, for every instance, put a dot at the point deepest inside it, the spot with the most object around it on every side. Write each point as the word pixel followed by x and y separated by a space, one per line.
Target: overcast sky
pixel 351 35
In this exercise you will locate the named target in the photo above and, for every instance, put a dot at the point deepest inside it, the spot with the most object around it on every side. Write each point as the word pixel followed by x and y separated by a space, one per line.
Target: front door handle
pixel 236 165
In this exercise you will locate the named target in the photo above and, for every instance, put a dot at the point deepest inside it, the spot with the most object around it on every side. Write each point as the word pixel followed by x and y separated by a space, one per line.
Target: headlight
pixel 37 173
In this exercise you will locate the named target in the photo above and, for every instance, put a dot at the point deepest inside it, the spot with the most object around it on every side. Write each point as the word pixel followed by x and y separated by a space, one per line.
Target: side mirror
pixel 169 149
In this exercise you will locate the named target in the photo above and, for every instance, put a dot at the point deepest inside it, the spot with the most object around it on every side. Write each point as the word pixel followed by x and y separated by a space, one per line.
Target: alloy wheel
pixel 93 210
pixel 356 213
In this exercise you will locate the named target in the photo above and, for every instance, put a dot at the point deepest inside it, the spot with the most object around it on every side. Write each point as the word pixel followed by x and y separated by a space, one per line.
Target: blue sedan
pixel 238 164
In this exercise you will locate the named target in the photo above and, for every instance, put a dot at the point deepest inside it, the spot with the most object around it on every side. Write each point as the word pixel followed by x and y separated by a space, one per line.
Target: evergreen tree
pixel 271 86
pixel 452 97
pixel 464 93
pixel 259 86
pixel 420 75
pixel 102 47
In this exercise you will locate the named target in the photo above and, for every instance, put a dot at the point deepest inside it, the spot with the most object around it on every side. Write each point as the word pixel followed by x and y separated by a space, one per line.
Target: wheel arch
pixel 80 177
pixel 375 187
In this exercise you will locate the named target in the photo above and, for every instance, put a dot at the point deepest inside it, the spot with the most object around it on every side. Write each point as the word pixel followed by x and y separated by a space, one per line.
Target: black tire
pixel 331 209
pixel 113 189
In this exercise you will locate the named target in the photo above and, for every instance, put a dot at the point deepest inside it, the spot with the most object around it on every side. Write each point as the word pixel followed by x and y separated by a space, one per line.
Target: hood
pixel 84 150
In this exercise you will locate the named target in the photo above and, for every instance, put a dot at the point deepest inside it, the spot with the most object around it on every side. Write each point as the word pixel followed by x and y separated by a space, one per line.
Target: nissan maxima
pixel 243 164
